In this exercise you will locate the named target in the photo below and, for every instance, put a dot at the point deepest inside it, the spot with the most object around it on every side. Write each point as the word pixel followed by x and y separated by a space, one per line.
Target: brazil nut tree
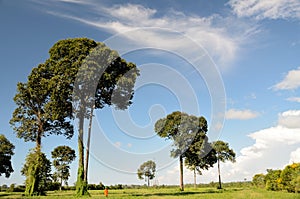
pixel 185 131
pixel 90 76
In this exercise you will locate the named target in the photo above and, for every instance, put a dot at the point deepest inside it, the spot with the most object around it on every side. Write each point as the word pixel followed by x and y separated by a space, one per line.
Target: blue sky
pixel 235 62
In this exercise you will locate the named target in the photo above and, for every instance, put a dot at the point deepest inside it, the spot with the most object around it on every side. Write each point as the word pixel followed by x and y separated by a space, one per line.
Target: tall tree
pixel 63 156
pixel 147 171
pixel 185 131
pixel 6 152
pixel 36 116
pixel 224 153
pixel 92 76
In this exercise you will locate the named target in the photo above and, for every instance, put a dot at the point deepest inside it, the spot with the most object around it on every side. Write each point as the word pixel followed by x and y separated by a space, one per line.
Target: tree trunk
pixel 195 179
pixel 88 145
pixel 81 184
pixel 220 184
pixel 181 172
pixel 148 181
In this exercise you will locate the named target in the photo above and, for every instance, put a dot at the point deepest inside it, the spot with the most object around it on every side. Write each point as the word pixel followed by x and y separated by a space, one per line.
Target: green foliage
pixel 147 171
pixel 289 177
pixel 273 180
pixel 63 156
pixel 37 169
pixel 6 152
pixel 259 180
pixel 35 115
pixel 81 185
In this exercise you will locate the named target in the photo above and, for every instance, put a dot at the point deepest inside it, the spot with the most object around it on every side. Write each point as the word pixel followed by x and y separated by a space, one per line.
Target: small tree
pixel 223 153
pixel 63 156
pixel 6 152
pixel 37 170
pixel 147 171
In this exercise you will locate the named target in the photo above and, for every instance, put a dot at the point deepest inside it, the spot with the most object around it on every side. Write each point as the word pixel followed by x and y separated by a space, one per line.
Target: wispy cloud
pixel 266 9
pixel 294 99
pixel 221 37
pixel 290 81
pixel 247 114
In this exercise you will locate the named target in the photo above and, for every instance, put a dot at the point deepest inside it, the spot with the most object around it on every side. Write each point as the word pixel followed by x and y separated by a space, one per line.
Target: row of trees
pixel 79 76
pixel 190 145
pixel 275 180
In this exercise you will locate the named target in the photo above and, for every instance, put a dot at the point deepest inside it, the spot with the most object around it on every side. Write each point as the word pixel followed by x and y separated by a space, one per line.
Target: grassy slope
pixel 167 193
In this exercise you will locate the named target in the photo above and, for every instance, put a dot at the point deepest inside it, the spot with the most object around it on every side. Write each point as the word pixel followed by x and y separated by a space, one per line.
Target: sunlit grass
pixel 166 193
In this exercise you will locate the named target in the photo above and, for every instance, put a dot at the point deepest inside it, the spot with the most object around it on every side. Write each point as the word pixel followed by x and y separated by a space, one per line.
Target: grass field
pixel 209 193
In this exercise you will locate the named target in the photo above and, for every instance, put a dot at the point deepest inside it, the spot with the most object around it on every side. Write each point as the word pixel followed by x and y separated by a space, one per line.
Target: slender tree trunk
pixel 88 145
pixel 181 172
pixel 220 184
pixel 148 181
pixel 195 179
pixel 81 185
pixel 61 180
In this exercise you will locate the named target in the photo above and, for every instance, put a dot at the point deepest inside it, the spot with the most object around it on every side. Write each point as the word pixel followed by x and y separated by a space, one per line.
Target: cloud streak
pixel 266 9
pixel 215 33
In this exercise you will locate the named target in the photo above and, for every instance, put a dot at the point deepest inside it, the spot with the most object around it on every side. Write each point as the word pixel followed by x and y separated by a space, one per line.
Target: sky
pixel 235 62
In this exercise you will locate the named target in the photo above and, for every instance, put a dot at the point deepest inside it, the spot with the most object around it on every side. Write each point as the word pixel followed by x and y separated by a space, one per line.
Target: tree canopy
pixel 147 171
pixel 6 152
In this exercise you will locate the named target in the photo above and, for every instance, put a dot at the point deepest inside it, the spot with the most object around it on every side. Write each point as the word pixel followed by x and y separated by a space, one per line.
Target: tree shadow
pixel 183 193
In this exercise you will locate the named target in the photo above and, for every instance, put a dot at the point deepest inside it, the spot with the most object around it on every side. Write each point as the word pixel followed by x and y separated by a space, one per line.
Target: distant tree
pixel 273 180
pixel 200 158
pixel 224 153
pixel 258 180
pixel 37 170
pixel 147 171
pixel 63 156
pixel 6 152
pixel 184 130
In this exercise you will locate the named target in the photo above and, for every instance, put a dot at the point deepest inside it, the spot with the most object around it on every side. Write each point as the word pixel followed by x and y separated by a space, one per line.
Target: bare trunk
pixel 181 172
pixel 220 184
pixel 88 145
pixel 195 179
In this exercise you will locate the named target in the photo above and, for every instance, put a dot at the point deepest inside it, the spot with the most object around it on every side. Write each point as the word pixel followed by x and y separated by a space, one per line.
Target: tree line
pixel 287 179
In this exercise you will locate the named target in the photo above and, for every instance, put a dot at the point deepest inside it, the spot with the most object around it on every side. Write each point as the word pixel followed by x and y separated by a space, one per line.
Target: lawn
pixel 209 193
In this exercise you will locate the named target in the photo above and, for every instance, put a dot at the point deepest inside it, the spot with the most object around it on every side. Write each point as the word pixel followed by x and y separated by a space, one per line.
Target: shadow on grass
pixel 183 193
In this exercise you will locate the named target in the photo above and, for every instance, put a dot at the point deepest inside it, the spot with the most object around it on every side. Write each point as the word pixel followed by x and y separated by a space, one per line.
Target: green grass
pixel 166 193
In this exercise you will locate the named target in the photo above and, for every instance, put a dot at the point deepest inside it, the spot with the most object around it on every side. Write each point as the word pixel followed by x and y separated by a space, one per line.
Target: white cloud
pixel 221 37
pixel 290 81
pixel 241 114
pixel 294 99
pixel 295 156
pixel 290 119
pixel 262 9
